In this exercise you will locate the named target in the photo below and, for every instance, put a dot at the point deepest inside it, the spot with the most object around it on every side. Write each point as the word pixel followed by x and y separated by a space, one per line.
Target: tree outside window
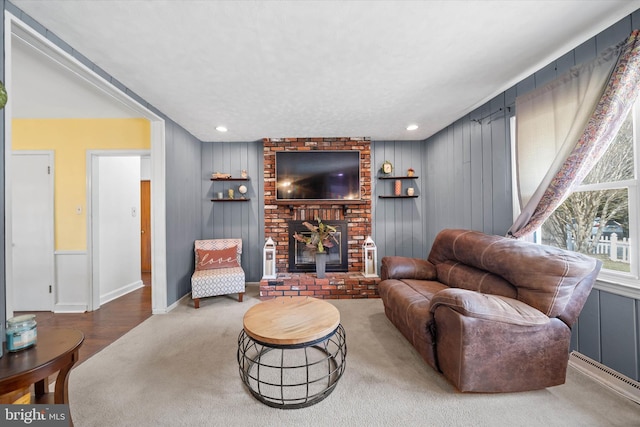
pixel 594 219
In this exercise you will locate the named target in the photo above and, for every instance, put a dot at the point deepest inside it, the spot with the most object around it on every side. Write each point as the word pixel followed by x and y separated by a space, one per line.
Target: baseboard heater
pixel 606 376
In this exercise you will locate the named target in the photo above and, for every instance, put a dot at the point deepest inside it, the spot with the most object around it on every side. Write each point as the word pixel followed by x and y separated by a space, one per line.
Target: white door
pixel 32 228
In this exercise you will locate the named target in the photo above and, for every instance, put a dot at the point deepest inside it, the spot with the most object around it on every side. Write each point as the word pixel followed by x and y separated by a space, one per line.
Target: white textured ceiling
pixel 313 68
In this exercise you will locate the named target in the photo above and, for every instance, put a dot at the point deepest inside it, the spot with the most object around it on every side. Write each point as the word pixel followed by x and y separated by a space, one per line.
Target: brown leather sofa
pixel 492 314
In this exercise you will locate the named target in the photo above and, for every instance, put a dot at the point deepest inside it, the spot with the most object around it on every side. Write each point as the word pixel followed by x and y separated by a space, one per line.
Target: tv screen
pixel 318 175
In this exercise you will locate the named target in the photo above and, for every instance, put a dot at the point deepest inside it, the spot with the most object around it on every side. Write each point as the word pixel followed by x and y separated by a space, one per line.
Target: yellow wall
pixel 70 139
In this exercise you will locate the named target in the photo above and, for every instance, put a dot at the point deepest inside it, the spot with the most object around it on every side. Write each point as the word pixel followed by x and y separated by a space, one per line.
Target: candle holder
pixel 370 258
pixel 269 260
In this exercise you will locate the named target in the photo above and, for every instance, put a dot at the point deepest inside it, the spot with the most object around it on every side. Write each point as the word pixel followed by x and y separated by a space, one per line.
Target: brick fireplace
pixel 301 259
pixel 355 213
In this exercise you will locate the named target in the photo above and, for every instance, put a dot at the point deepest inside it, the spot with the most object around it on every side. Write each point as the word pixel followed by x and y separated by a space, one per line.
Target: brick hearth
pixel 333 286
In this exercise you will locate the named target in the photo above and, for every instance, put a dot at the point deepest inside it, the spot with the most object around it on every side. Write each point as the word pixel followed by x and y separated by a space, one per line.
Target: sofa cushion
pixel 407 305
pixel 547 288
pixel 396 267
pixel 457 275
pixel 488 307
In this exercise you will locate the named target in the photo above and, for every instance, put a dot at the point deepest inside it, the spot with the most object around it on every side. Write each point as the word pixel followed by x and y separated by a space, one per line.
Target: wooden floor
pixel 105 325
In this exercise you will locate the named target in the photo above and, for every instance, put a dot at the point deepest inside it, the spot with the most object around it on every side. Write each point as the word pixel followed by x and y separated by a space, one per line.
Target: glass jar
pixel 21 332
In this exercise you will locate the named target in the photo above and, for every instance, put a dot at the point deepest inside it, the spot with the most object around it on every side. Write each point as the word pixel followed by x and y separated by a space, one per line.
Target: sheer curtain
pixel 564 128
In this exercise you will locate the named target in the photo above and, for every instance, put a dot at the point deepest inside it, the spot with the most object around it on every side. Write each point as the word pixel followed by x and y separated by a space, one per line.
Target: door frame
pixel 93 221
pixel 51 156
pixel 15 27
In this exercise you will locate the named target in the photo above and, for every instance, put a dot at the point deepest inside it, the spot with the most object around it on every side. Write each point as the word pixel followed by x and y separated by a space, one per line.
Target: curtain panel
pixel 587 105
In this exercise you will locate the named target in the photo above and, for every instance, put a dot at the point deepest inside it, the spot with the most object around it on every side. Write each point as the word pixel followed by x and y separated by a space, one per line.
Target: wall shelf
pixel 397 177
pixel 238 197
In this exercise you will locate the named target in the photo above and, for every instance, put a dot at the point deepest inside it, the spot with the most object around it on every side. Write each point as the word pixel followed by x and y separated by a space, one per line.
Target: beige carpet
pixel 180 369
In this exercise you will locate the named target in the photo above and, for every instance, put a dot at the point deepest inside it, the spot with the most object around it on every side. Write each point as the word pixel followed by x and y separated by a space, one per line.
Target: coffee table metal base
pixel 292 376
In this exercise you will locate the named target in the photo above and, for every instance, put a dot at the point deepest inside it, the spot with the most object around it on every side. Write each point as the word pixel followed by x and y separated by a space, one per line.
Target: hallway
pixel 105 325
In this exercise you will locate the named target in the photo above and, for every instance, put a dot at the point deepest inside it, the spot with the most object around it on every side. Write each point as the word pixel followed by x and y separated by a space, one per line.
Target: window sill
pixel 618 284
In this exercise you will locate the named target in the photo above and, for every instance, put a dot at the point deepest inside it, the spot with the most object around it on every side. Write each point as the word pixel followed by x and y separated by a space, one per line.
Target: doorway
pixel 16 30
pixel 113 200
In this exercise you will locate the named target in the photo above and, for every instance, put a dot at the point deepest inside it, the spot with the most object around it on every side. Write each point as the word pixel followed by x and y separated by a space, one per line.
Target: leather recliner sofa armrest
pixel 397 267
pixel 488 307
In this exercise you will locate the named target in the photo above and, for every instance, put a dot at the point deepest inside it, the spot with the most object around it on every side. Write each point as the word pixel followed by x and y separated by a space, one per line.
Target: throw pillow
pixel 223 258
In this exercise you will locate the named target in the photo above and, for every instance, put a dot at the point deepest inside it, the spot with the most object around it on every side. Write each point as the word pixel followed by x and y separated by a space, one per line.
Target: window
pixel 600 218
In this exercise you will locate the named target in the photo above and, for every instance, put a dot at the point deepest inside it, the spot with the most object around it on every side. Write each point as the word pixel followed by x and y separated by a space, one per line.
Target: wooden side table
pixel 55 351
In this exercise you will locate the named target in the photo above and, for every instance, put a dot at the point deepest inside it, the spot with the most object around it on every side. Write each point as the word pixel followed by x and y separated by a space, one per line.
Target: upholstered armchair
pixel 218 270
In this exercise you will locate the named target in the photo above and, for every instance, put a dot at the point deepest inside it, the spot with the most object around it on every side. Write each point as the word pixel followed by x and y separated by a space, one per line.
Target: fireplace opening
pixel 302 259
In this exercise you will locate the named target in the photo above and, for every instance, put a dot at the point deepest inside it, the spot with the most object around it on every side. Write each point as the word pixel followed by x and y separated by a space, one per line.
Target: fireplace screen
pixel 304 255
pixel 302 259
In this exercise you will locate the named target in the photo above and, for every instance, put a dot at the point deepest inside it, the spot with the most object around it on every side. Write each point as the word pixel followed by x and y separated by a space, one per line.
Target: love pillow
pixel 223 258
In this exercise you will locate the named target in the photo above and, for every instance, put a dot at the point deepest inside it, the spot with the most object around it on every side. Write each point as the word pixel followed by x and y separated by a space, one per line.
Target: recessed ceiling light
pixel 412 127
pixel 221 129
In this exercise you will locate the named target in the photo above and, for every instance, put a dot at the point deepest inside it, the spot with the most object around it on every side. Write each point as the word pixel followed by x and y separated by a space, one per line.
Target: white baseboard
pixel 172 306
pixel 110 296
pixel 70 308
pixel 606 376
pixel 175 304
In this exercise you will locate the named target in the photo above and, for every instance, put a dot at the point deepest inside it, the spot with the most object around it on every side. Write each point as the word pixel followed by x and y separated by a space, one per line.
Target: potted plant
pixel 322 237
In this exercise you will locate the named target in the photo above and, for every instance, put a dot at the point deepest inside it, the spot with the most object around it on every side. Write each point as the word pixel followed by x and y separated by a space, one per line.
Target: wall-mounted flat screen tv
pixel 318 175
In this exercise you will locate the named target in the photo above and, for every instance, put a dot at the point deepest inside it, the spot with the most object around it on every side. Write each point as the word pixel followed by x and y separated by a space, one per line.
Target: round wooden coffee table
pixel 292 351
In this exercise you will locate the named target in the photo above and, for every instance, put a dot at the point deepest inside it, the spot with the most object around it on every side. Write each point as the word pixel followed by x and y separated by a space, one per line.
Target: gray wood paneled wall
pixel 469 173
pixel 608 331
pixel 243 220
pixel 399 224
pixel 182 164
